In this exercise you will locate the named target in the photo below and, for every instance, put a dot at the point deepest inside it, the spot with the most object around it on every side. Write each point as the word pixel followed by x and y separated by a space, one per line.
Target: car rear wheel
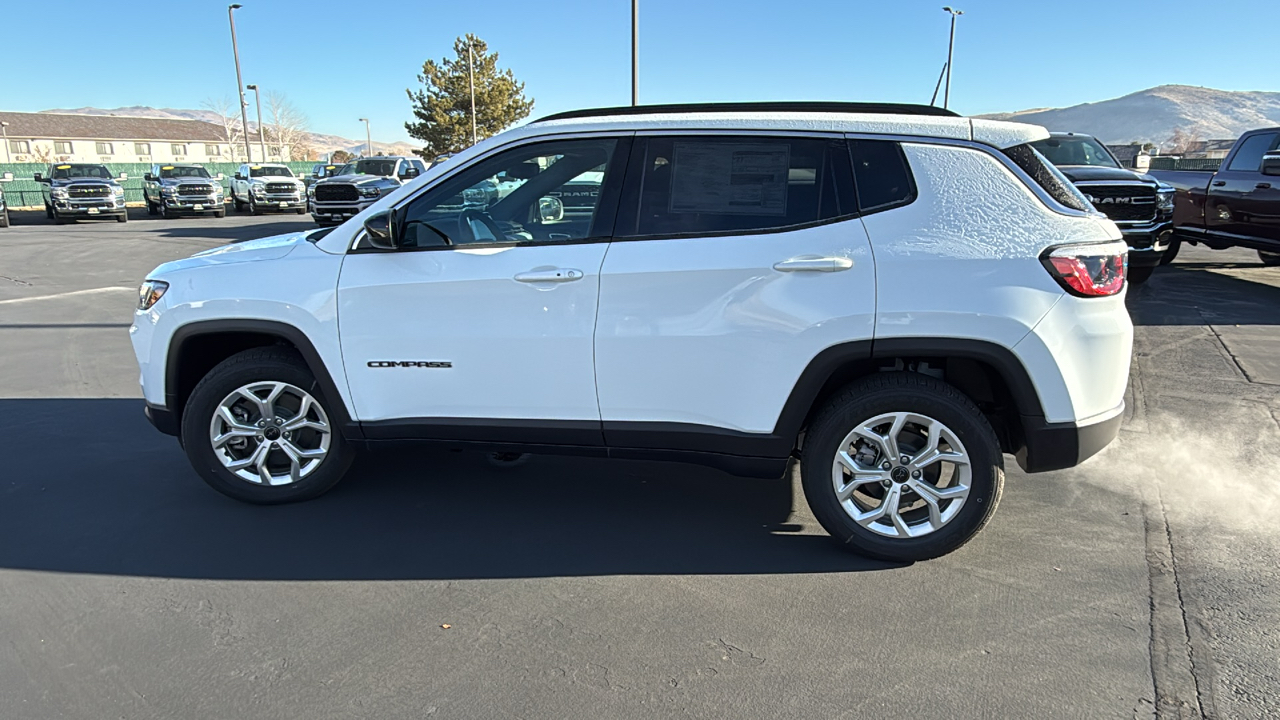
pixel 901 467
pixel 257 428
pixel 1269 259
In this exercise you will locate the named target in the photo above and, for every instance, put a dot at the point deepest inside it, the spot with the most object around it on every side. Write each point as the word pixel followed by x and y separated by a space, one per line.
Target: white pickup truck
pixel 268 187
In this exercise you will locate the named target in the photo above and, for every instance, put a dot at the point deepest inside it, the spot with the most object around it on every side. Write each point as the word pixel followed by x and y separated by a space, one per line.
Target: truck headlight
pixel 168 190
pixel 257 188
pixel 311 192
pixel 370 192
pixel 117 190
pixel 1164 198
pixel 60 193
pixel 150 292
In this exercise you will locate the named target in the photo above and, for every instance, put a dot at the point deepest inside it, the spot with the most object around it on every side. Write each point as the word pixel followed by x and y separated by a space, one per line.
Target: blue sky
pixel 338 61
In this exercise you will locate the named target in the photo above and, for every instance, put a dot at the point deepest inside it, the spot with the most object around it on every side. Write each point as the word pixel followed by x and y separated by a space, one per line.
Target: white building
pixel 64 137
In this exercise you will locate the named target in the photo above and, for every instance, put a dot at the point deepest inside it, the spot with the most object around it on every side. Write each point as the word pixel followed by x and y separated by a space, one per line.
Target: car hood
pixel 273 178
pixel 84 181
pixel 267 248
pixel 1094 173
pixel 352 179
pixel 188 181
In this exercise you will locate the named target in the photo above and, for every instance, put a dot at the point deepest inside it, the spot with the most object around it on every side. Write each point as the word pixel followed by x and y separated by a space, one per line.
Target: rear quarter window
pixel 1048 177
pixel 882 175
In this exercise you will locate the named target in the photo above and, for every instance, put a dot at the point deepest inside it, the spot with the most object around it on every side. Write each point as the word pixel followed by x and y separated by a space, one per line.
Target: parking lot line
pixel 72 293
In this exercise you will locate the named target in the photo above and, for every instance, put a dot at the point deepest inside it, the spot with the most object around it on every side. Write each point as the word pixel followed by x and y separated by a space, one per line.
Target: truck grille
pixel 281 188
pixel 1123 203
pixel 201 190
pixel 337 193
pixel 83 191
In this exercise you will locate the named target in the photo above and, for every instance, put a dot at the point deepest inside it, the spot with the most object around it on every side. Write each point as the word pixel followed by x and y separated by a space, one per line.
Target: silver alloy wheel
pixel 270 433
pixel 902 475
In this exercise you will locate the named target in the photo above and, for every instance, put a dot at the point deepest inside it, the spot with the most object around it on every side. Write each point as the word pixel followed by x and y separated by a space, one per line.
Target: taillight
pixel 1095 270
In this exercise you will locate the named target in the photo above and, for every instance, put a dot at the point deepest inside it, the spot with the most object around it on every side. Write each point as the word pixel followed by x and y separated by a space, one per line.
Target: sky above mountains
pixel 338 62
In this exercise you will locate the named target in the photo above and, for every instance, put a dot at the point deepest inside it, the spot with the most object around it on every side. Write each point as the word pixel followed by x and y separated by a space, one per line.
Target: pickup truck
pixel 82 190
pixel 268 187
pixel 1236 206
pixel 1140 205
pixel 174 188
pixel 357 185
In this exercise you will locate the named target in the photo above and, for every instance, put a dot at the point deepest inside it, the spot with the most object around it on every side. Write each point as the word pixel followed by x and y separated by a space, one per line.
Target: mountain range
pixel 1154 114
pixel 323 144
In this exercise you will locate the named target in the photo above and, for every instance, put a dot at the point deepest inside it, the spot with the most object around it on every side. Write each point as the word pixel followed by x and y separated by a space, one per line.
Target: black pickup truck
pixel 1236 206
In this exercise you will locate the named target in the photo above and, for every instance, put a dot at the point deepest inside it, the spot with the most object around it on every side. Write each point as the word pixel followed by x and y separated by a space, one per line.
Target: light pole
pixel 951 47
pixel 368 142
pixel 471 80
pixel 235 50
pixel 635 52
pixel 4 132
pixel 262 137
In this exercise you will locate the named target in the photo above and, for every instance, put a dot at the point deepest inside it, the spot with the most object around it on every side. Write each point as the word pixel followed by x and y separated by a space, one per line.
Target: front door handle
pixel 814 263
pixel 1219 183
pixel 553 275
pixel 1263 186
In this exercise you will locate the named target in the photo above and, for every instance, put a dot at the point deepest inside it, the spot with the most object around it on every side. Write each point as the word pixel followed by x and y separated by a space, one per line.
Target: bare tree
pixel 229 117
pixel 1182 142
pixel 287 126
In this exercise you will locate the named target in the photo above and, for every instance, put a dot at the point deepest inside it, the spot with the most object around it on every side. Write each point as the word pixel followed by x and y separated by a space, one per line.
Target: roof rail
pixel 765 107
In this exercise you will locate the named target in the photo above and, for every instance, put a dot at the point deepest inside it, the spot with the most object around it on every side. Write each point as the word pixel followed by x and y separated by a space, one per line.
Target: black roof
pixel 738 107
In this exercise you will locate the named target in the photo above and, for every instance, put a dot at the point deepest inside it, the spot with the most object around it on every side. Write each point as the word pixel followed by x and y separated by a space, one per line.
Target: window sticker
pixel 730 178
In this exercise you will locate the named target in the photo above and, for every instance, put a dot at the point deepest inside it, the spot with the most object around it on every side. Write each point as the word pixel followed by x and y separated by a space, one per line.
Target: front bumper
pixel 163 419
pixel 1148 242
pixel 272 201
pixel 89 207
pixel 193 203
pixel 1055 446
pixel 339 211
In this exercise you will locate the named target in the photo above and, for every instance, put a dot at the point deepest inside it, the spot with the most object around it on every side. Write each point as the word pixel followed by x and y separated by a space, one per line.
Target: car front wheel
pixel 1269 259
pixel 901 467
pixel 258 429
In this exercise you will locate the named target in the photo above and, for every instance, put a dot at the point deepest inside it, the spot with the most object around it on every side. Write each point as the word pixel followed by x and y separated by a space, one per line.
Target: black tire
pixel 254 208
pixel 901 392
pixel 1172 252
pixel 257 365
pixel 302 211
pixel 220 213
pixel 1269 259
pixel 4 218
pixel 1139 275
pixel 58 219
pixel 151 208
pixel 165 212
pixel 48 211
pixel 236 201
pixel 123 217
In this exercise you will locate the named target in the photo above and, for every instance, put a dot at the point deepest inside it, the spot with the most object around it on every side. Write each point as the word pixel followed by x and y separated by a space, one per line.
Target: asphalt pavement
pixel 1141 584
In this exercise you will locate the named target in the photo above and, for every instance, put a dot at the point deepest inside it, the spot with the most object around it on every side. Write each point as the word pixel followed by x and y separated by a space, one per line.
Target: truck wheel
pixel 302 211
pixel 57 218
pixel 48 211
pixel 4 218
pixel 257 428
pixel 236 201
pixel 254 208
pixel 151 208
pixel 123 217
pixel 165 212
pixel 1172 252
pixel 1139 275
pixel 1269 259
pixel 220 213
pixel 901 467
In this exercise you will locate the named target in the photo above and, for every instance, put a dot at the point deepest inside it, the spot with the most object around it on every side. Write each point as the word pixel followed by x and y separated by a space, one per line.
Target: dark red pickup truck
pixel 1236 206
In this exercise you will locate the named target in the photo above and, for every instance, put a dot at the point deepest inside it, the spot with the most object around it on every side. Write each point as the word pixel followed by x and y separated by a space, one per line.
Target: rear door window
pixel 1249 157
pixel 700 185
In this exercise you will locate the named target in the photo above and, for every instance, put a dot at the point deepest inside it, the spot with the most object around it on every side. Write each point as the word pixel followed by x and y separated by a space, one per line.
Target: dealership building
pixel 67 137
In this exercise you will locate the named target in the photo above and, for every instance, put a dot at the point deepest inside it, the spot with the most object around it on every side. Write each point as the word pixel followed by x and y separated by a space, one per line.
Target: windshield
pixel 183 172
pixel 370 166
pixel 270 171
pixel 66 172
pixel 1076 150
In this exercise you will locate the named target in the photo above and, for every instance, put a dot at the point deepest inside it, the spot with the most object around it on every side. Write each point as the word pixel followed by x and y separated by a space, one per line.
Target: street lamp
pixel 235 50
pixel 635 52
pixel 471 81
pixel 368 141
pixel 262 138
pixel 4 132
pixel 951 46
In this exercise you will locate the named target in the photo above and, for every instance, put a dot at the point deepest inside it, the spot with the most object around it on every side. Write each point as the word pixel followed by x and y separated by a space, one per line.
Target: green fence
pixel 24 191
pixel 1172 163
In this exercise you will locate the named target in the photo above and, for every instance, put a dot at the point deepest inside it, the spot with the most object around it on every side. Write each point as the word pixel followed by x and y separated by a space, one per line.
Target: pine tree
pixel 443 105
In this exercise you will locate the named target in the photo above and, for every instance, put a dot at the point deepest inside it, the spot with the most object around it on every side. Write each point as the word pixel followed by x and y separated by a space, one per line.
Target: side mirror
pixel 38 177
pixel 550 209
pixel 123 177
pixel 218 177
pixel 411 172
pixel 239 176
pixel 1271 165
pixel 149 177
pixel 379 228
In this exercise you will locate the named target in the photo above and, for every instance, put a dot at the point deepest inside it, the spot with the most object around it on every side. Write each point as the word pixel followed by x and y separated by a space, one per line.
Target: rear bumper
pixel 163 420
pixel 1055 446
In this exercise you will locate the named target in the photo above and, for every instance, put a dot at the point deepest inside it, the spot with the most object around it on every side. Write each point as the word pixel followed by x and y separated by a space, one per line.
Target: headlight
pixel 370 192
pixel 257 188
pixel 311 192
pixel 60 192
pixel 117 190
pixel 168 190
pixel 150 293
pixel 1164 197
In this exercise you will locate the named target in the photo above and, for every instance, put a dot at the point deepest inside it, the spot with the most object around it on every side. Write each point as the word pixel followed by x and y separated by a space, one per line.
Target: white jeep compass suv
pixel 894 296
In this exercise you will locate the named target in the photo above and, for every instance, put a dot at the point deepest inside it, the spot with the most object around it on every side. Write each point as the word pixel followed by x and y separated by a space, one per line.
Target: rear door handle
pixel 814 263
pixel 1263 186
pixel 554 275
pixel 1219 183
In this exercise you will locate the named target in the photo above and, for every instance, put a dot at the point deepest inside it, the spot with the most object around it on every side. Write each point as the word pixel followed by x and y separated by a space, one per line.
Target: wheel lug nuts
pixel 886 466
pixel 916 474
pixel 904 460
pixel 887 483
